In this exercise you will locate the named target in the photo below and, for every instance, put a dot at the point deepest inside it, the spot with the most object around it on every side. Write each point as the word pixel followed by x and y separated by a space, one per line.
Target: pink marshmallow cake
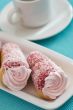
pixel 49 79
pixel 14 67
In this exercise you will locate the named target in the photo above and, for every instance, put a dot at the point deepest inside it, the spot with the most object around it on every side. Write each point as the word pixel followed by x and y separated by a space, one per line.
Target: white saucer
pixel 60 18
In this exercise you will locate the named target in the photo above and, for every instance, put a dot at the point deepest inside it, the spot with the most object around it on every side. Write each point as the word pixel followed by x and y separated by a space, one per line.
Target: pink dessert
pixel 47 77
pixel 15 67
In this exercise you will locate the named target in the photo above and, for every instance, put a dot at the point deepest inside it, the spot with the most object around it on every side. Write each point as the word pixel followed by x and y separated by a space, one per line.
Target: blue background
pixel 63 43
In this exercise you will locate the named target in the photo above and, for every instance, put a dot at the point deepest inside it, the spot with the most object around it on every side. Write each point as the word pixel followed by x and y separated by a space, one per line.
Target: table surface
pixel 62 43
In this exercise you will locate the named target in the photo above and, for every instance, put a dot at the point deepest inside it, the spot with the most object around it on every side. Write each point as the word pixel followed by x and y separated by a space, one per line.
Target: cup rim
pixel 21 1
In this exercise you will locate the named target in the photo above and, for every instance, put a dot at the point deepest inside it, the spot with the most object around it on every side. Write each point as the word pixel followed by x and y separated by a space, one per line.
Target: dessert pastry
pixel 14 67
pixel 49 79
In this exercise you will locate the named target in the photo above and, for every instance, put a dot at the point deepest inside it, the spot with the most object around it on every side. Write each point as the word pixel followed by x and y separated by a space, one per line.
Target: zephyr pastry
pixel 49 79
pixel 14 67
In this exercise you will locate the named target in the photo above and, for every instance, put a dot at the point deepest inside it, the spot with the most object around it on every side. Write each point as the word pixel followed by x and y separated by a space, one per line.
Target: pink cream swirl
pixel 16 78
pixel 55 84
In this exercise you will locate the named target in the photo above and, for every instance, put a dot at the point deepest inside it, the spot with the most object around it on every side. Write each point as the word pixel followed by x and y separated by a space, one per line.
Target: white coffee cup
pixel 31 13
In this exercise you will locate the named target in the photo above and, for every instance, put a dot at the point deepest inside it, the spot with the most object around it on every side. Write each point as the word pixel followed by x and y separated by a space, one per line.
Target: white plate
pixel 60 17
pixel 28 94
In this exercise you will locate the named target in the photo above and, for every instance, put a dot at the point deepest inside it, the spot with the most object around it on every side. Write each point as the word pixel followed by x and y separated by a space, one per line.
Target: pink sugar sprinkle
pixel 13 56
pixel 41 80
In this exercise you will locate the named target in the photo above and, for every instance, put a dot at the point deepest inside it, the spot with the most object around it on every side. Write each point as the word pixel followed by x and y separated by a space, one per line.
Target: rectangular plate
pixel 28 94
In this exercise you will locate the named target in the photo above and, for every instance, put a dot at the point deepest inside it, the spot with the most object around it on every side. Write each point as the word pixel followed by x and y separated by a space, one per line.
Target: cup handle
pixel 13 17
